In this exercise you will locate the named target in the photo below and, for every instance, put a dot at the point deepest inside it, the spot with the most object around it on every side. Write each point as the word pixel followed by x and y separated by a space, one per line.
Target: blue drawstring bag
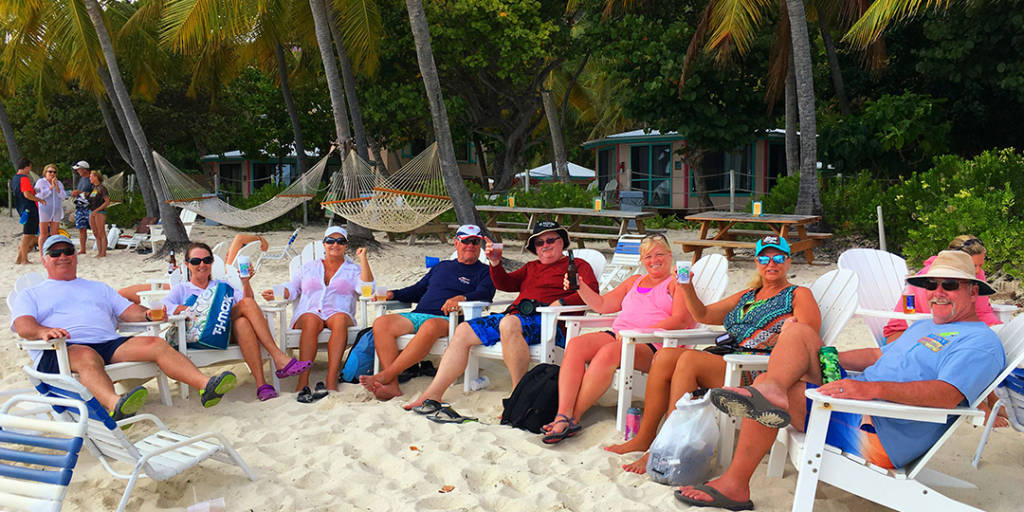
pixel 360 358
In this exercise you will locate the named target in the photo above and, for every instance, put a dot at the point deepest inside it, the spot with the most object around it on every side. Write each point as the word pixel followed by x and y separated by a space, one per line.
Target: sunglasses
pixel 778 258
pixel 332 241
pixel 196 261
pixel 655 237
pixel 471 241
pixel 542 242
pixel 949 285
pixel 56 253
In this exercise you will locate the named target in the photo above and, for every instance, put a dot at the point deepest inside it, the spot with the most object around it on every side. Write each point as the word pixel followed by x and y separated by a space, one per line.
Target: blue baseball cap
pixel 56 239
pixel 774 241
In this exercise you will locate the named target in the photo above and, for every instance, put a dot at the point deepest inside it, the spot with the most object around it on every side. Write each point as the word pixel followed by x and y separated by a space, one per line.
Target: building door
pixel 651 173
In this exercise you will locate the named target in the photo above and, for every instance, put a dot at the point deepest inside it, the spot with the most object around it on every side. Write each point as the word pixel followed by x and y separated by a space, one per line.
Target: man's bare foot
pixel 633 445
pixel 733 492
pixel 81 252
pixel 638 466
pixel 385 392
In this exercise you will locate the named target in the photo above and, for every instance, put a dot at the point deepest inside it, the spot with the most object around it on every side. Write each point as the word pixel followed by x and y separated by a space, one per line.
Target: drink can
pixel 908 303
pixel 244 266
pixel 632 422
pixel 828 357
pixel 683 271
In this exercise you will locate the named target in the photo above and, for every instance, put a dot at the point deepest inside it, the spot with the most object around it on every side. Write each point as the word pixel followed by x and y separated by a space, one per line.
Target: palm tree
pixel 809 198
pixel 13 151
pixel 465 209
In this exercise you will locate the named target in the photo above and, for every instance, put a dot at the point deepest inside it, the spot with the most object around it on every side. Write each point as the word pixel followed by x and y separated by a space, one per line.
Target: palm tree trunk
pixel 809 199
pixel 792 139
pixel 695 161
pixel 559 162
pixel 348 77
pixel 833 66
pixel 115 135
pixel 293 114
pixel 465 210
pixel 176 236
pixel 149 198
pixel 13 151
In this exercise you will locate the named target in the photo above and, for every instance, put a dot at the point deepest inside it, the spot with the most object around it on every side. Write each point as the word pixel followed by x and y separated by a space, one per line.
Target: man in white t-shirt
pixel 86 313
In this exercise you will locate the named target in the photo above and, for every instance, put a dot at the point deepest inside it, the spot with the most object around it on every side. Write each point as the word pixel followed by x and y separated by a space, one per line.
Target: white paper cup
pixel 278 291
pixel 497 245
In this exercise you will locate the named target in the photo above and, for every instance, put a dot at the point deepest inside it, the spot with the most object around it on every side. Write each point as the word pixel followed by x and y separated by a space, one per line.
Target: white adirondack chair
pixel 544 352
pixel 252 250
pixel 1011 396
pixel 882 280
pixel 116 371
pixel 625 262
pixel 159 456
pixel 29 479
pixel 156 231
pixel 710 278
pixel 906 488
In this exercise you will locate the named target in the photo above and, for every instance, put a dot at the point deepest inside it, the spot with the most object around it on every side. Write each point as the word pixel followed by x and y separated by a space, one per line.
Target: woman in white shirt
pixel 51 191
pixel 249 327
pixel 327 290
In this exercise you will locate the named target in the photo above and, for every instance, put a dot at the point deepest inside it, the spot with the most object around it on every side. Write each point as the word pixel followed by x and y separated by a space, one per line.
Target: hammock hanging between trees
pixel 186 193
pixel 403 201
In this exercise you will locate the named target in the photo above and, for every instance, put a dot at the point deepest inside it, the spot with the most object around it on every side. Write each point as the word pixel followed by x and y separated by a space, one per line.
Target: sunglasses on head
pixel 778 258
pixel 541 242
pixel 471 241
pixel 949 285
pixel 195 261
pixel 332 241
pixel 970 242
pixel 655 237
pixel 56 253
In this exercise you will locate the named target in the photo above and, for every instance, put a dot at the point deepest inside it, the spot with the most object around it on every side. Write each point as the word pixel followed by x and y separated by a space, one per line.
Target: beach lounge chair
pixel 279 252
pixel 710 278
pixel 156 231
pixel 882 280
pixel 906 488
pixel 159 456
pixel 1011 396
pixel 39 454
pixel 544 352
pixel 625 262
pixel 116 371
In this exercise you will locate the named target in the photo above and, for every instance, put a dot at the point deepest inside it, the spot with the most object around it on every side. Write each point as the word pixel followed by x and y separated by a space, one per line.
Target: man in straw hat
pixel 943 362
pixel 539 283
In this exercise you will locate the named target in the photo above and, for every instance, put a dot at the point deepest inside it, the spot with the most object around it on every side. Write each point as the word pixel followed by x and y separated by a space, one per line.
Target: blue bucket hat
pixel 775 241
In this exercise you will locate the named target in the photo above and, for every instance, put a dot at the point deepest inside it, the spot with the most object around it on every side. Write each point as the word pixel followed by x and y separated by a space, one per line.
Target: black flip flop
pixel 448 415
pixel 571 428
pixel 718 500
pixel 755 406
pixel 429 407
pixel 305 396
pixel 319 391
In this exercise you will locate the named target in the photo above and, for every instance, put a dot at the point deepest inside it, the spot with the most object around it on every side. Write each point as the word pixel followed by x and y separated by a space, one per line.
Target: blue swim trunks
pixel 82 218
pixel 486 328
pixel 418 319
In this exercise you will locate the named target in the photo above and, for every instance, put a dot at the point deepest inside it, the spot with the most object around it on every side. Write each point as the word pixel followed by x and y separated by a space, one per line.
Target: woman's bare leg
pixel 656 403
pixel 602 368
pixel 248 309
pixel 243 335
pixel 578 351
pixel 338 323
pixel 310 325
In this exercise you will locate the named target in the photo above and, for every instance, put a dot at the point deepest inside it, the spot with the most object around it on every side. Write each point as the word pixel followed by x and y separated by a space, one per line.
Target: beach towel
pixel 208 323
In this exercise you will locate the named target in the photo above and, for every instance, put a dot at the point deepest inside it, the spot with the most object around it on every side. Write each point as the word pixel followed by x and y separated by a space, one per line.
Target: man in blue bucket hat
pixel 437 294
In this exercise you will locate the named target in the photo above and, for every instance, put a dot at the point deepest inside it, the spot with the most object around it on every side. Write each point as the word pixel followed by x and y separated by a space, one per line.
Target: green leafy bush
pixel 127 215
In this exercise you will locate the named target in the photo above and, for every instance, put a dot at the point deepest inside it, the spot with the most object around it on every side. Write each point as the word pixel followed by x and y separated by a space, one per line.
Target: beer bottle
pixel 571 271
pixel 171 263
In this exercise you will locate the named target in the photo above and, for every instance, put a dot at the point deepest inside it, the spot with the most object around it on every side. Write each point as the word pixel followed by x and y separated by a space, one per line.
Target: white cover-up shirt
pixel 52 211
pixel 88 310
pixel 182 291
pixel 339 296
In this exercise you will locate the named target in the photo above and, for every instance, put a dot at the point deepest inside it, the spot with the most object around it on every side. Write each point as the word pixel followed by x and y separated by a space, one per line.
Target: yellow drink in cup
pixel 597 204
pixel 156 315
pixel 367 290
pixel 511 201
pixel 756 208
pixel 381 293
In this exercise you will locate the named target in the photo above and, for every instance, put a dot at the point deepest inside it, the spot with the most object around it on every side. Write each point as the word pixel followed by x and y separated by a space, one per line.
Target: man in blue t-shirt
pixel 944 362
pixel 437 294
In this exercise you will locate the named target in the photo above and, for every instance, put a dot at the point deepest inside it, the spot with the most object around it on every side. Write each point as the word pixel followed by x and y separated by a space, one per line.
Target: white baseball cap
pixel 82 164
pixel 335 230
pixel 467 231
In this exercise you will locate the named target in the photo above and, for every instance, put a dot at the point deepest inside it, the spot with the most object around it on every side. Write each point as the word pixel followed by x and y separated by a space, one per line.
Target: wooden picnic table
pixel 792 227
pixel 573 219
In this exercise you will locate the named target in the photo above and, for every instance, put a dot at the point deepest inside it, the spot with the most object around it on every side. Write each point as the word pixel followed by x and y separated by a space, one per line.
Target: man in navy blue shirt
pixel 437 294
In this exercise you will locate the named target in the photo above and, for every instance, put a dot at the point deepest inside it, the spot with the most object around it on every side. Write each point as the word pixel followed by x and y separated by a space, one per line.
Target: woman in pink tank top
pixel 644 302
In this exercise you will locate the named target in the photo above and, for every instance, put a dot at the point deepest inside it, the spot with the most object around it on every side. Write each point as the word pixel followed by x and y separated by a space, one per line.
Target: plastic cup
pixel 755 209
pixel 381 293
pixel 511 201
pixel 278 292
pixel 683 273
pixel 597 204
pixel 156 315
pixel 367 290
pixel 244 266
pixel 497 246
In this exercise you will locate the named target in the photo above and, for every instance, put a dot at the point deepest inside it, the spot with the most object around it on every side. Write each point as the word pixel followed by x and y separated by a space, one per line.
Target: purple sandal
pixel 266 392
pixel 294 367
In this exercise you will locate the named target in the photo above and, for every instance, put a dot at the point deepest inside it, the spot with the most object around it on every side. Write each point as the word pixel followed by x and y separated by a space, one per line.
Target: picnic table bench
pixel 792 227
pixel 572 219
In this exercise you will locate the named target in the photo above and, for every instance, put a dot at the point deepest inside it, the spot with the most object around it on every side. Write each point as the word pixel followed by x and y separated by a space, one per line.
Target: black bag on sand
pixel 534 402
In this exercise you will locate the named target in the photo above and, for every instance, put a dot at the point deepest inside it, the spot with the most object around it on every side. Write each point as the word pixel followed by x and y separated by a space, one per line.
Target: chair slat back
pixel 627 251
pixel 710 277
pixel 836 295
pixel 221 249
pixel 882 280
pixel 251 249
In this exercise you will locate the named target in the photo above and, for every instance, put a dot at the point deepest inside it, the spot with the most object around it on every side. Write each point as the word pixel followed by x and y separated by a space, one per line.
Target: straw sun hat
pixel 952 265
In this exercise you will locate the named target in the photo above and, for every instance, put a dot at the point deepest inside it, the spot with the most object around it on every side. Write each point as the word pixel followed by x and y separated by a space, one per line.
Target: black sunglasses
pixel 56 253
pixel 195 261
pixel 332 241
pixel 540 242
pixel 948 284
pixel 970 242
pixel 471 241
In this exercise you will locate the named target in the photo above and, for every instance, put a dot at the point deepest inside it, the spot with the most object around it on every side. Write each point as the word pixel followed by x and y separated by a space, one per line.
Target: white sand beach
pixel 351 452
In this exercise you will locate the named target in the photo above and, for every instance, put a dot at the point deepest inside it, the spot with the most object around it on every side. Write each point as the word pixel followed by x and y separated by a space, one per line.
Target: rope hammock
pixel 403 201
pixel 115 188
pixel 186 193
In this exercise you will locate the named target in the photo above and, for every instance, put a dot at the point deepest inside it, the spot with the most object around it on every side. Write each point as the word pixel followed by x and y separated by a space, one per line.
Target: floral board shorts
pixel 486 328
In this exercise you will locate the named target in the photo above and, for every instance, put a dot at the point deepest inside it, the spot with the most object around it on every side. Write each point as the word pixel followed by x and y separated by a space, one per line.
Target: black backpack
pixel 534 402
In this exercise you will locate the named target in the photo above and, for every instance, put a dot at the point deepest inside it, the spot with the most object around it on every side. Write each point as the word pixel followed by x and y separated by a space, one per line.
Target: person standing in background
pixel 25 203
pixel 81 196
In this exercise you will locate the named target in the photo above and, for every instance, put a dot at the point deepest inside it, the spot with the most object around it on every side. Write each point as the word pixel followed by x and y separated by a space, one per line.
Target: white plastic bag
pixel 684 451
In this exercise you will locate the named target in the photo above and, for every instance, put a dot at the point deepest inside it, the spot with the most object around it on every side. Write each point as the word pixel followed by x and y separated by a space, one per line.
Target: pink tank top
pixel 642 310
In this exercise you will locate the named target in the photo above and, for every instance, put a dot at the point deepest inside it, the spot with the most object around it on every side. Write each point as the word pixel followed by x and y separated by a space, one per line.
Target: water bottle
pixel 632 422
pixel 479 383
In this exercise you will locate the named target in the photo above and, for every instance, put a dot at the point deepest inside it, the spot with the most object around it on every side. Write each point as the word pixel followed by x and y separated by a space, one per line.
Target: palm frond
pixel 736 19
pixel 362 30
pixel 881 13
pixel 778 58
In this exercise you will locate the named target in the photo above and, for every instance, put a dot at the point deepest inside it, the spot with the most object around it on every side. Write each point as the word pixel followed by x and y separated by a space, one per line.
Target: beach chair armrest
pixel 54 344
pixel 143 417
pixel 892 410
pixel 631 336
pixel 698 336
